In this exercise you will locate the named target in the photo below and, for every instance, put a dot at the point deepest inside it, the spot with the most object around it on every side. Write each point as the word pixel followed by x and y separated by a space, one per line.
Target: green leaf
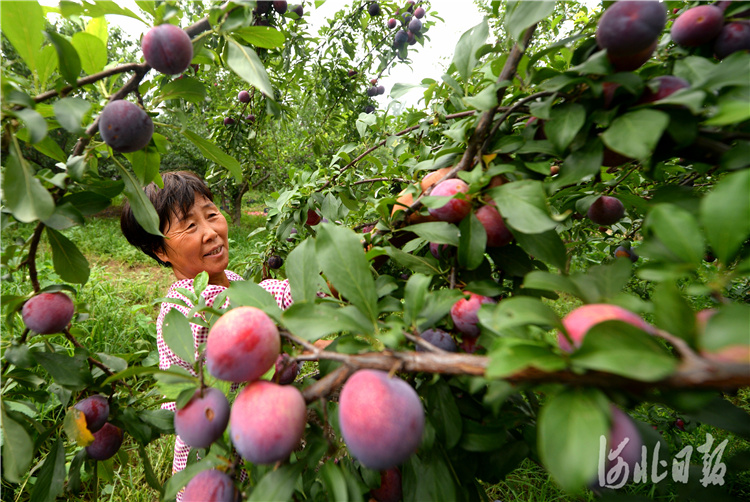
pixel 46 64
pixel 517 311
pixel 678 230
pixel 619 348
pixel 23 24
pixel 249 294
pixel 18 448
pixel 49 148
pixel 471 243
pixel 672 312
pixel 439 232
pixel 581 163
pixel 437 305
pixel 143 209
pixel 484 101
pixel 635 134
pixel 303 272
pixel 521 15
pixel 145 163
pixel 601 283
pixel 569 427
pixel 415 294
pixel 245 63
pixel 725 215
pixel 261 36
pixel 547 281
pixel 91 50
pixel 69 113
pixel 178 336
pixel 428 477
pixel 728 327
pixel 200 282
pixel 69 262
pixel 215 154
pixel 24 194
pixel 86 203
pixel 523 206
pixel 69 63
pixel 444 413
pixel 465 55
pixel 51 477
pixel 277 485
pixel 311 322
pixel 187 88
pixel 34 122
pixel 729 112
pixel 71 372
pixel 565 122
pixel 343 261
pixel 334 482
pixel 546 246
pixel 148 471
pixel 415 263
pixel 510 355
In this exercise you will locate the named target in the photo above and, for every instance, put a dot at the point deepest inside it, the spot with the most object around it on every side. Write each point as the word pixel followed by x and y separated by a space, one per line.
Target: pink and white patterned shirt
pixel 281 293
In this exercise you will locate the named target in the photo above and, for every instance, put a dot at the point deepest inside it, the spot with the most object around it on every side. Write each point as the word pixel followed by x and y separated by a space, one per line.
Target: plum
pixel 415 25
pixel 497 233
pixel 286 370
pixel 623 252
pixel 606 210
pixel 455 209
pixel 242 345
pixel 629 27
pixel 630 62
pixel 299 10
pixel 262 6
pixel 352 73
pixel 439 338
pixel 465 314
pixel 623 428
pixel 267 421
pixel 441 250
pixel 579 321
pixel 96 410
pixel 211 485
pixel 390 485
pixel 419 12
pixel 48 313
pixel 727 353
pixel 250 118
pixel 381 89
pixel 698 25
pixel 733 37
pixel 665 86
pixel 392 23
pixel 374 9
pixel 372 91
pixel 125 127
pixel 400 38
pixel 243 97
pixel 280 6
pixel 167 49
pixel 313 218
pixel 369 109
pixel 381 418
pixel 274 262
pixel 107 441
pixel 228 121
pixel 203 419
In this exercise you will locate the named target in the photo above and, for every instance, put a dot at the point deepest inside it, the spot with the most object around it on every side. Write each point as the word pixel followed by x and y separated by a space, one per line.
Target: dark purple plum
pixel 107 441
pixel 286 369
pixel 629 27
pixel 374 9
pixel 48 313
pixel 698 26
pixel 415 25
pixel 125 126
pixel 274 262
pixel 440 339
pixel 167 49
pixel 606 210
pixel 96 410
pixel 280 6
pixel 390 486
pixel 243 97
pixel 733 37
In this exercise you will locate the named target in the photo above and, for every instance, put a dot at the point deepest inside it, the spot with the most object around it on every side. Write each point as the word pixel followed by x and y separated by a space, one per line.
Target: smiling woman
pixel 195 240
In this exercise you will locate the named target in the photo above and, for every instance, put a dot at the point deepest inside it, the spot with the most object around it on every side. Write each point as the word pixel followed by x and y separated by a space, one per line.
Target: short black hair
pixel 176 198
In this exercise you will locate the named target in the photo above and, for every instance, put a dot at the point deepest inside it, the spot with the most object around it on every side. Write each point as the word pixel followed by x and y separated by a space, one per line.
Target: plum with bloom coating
pixel 167 49
pixel 125 126
pixel 48 313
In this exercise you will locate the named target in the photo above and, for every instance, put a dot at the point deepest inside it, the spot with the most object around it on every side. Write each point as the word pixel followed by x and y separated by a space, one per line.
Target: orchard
pixel 541 267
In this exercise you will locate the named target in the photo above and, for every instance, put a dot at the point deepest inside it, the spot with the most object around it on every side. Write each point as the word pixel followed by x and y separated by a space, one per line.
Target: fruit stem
pixel 31 260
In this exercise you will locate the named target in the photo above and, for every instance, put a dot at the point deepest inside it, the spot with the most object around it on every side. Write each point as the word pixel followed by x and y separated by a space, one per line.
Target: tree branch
pixel 31 259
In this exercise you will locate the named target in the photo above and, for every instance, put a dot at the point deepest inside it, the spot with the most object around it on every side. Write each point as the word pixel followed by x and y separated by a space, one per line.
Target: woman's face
pixel 198 241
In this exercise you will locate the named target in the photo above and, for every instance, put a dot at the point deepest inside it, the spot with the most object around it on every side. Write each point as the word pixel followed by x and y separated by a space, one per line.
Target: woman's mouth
pixel 215 252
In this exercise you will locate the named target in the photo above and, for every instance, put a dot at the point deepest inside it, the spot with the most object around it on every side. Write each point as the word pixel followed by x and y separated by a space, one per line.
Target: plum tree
pixel 578 322
pixel 627 28
pixel 733 37
pixel 125 126
pixel 267 421
pixel 439 338
pixel 48 313
pixel 211 485
pixel 455 209
pixel 497 232
pixel 381 418
pixel 390 489
pixel 242 345
pixel 96 410
pixel 465 314
pixel 698 25
pixel 203 419
pixel 243 97
pixel 167 49
pixel 107 441
pixel 662 87
pixel 286 370
pixel 606 210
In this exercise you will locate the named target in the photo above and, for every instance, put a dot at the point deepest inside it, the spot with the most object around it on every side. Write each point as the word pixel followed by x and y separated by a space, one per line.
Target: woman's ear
pixel 162 255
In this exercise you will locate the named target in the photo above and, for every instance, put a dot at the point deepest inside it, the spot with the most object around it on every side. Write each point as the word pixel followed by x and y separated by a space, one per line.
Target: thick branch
pixel 88 80
pixel 709 375
pixel 264 178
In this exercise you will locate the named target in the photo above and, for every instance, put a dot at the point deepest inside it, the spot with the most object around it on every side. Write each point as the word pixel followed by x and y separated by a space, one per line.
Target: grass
pixel 119 302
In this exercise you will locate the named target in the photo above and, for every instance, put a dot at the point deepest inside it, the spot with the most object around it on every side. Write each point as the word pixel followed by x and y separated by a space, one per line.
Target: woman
pixel 195 240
